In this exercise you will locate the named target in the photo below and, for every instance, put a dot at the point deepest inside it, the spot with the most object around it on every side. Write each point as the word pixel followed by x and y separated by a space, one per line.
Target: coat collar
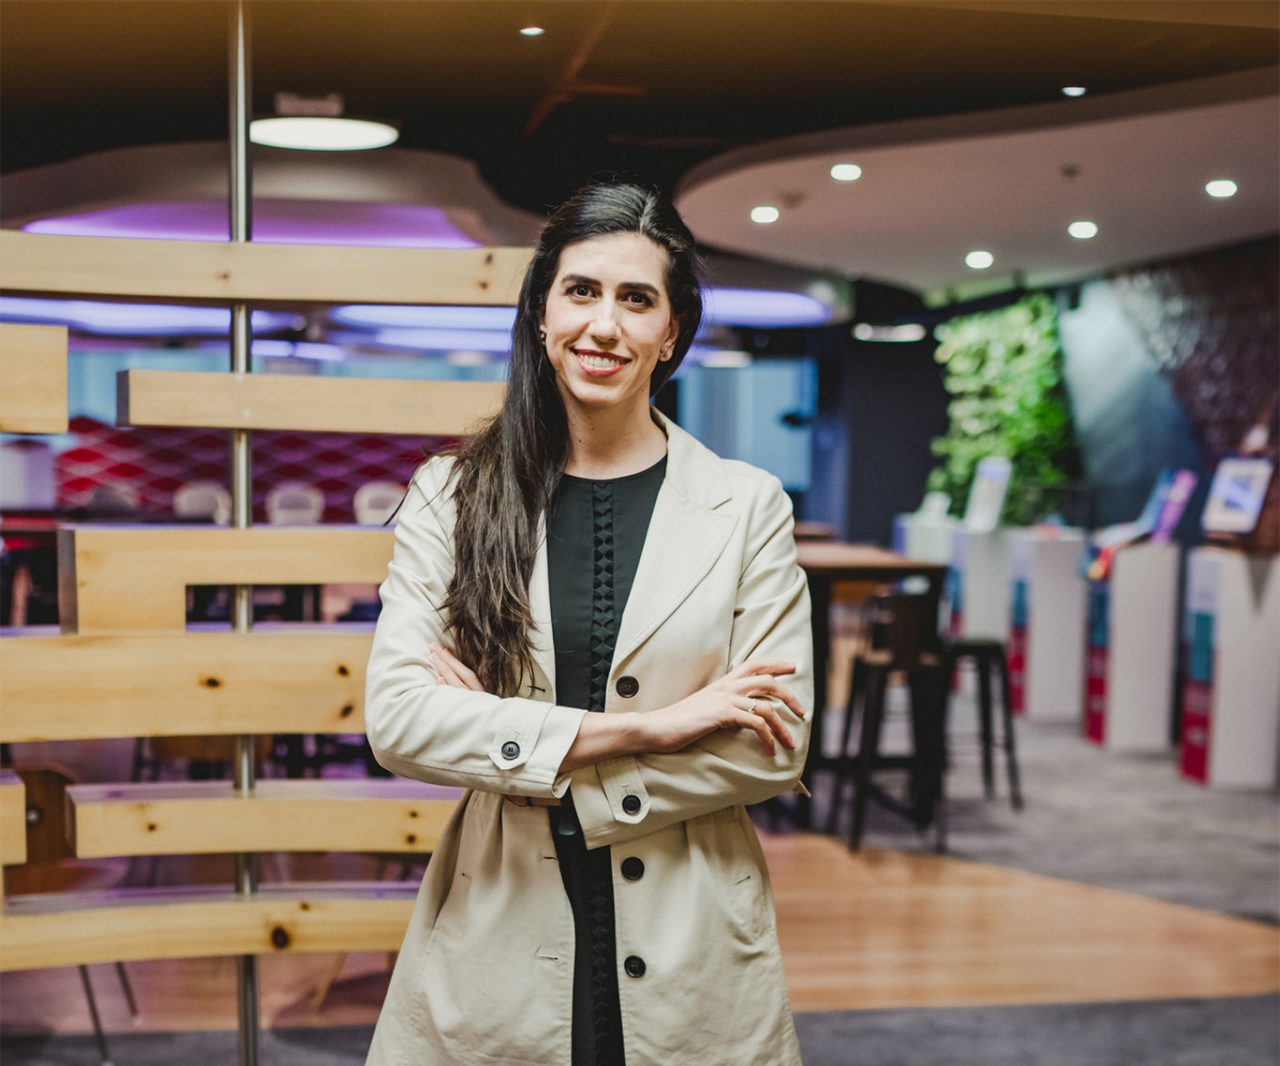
pixel 686 536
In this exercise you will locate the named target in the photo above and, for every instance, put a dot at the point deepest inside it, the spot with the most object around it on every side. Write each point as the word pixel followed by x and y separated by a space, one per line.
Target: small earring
pixel 542 336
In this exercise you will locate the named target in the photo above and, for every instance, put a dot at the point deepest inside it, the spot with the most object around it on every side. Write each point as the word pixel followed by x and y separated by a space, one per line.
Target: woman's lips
pixel 599 370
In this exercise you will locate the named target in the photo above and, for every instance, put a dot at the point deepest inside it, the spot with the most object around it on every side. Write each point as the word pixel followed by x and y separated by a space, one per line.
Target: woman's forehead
pixel 614 258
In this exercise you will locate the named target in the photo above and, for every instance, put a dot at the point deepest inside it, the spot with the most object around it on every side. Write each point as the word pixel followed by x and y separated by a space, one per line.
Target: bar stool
pixel 902 639
pixel 988 655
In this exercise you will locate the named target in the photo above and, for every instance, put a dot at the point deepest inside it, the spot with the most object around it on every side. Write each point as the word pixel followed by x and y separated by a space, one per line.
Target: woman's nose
pixel 604 324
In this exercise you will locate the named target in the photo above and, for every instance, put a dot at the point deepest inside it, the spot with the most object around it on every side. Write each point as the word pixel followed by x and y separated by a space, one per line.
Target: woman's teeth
pixel 601 362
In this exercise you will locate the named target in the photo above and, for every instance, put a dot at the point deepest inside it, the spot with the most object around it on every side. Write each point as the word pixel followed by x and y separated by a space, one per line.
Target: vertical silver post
pixel 241 206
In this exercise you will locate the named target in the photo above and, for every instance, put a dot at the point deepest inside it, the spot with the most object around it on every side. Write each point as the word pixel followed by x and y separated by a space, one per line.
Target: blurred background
pixel 992 286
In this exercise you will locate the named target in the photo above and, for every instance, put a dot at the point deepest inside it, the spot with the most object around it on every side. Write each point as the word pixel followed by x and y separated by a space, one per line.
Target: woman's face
pixel 608 319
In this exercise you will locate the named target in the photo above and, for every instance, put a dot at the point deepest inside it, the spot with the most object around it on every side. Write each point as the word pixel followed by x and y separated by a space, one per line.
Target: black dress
pixel 595 532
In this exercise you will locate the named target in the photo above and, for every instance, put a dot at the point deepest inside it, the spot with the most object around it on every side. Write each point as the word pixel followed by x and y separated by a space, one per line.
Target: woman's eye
pixel 639 299
pixel 580 290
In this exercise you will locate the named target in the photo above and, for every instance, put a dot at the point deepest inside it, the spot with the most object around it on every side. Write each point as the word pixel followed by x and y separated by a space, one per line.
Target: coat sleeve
pixel 771 620
pixel 437 733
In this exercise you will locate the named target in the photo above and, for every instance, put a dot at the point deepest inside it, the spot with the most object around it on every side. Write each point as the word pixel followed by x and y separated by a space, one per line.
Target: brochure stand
pixel 978 584
pixel 1231 669
pixel 1129 665
pixel 1047 623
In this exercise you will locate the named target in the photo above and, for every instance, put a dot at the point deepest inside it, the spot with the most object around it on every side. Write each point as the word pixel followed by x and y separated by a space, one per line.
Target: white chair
pixel 295 503
pixel 376 502
pixel 203 499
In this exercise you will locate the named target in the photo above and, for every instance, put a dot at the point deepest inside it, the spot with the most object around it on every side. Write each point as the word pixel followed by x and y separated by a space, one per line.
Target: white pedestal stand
pixel 1047 623
pixel 1231 669
pixel 1130 659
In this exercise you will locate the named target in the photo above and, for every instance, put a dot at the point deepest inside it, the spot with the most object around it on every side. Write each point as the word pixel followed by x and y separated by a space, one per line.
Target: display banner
pixel 1095 669
pixel 1198 664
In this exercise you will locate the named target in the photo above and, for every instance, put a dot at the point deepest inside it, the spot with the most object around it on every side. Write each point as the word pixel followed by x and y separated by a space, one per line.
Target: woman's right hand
pixel 745 698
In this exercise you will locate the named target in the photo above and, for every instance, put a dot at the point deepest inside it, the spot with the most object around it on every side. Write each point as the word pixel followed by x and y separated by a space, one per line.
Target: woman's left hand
pixel 451 670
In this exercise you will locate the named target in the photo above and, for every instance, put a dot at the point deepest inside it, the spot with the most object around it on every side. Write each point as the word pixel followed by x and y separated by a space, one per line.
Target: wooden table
pixel 824 562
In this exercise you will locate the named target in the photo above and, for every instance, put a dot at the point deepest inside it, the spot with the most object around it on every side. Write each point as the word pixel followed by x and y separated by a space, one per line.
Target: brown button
pixel 631 804
pixel 632 868
pixel 627 687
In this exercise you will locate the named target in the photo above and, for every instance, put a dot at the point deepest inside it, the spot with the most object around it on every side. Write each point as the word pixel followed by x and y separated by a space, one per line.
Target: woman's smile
pixel 599 364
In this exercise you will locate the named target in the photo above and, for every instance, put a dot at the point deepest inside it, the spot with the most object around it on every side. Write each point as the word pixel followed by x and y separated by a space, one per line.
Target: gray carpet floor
pixel 1217 1032
pixel 1116 821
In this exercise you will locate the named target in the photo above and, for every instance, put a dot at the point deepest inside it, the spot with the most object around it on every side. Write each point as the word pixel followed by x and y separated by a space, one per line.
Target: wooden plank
pixel 273 680
pixel 319 405
pixel 33 378
pixel 114 579
pixel 207 817
pixel 258 273
pixel 13 819
pixel 70 929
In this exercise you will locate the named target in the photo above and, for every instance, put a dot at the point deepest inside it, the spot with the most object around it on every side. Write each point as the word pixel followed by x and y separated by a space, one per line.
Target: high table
pixel 824 562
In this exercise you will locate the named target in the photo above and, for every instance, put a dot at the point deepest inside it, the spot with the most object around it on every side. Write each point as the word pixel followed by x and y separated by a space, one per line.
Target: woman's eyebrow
pixel 582 279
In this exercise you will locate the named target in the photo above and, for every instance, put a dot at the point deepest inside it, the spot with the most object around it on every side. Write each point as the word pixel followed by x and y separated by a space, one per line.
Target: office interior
pixel 991 287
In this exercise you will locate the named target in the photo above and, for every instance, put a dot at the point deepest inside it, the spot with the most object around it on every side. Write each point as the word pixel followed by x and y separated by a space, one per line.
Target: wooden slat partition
pixel 33 378
pixel 114 579
pixel 70 929
pixel 73 687
pixel 316 405
pixel 208 817
pixel 13 819
pixel 258 273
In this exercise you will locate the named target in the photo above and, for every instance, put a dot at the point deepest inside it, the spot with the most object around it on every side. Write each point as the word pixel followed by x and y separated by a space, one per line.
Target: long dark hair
pixel 506 474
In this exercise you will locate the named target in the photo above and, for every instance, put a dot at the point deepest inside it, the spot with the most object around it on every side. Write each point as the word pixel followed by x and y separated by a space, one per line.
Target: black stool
pixel 903 639
pixel 988 655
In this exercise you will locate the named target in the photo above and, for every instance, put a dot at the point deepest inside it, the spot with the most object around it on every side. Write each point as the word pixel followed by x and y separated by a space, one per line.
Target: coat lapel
pixel 685 538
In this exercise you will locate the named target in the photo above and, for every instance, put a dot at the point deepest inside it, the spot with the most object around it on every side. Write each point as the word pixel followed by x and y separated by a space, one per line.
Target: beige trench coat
pixel 486 971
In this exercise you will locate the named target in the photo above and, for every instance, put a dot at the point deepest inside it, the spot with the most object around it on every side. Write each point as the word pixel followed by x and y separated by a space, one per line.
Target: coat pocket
pixel 739 880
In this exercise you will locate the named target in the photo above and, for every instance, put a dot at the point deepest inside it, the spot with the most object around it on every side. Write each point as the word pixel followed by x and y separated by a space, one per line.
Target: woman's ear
pixel 669 345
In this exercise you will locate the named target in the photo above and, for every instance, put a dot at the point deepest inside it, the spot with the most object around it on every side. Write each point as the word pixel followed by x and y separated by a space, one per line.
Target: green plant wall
pixel 1003 370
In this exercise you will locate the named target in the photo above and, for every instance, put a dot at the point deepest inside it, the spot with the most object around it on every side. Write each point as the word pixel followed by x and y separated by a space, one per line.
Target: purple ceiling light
pixel 132 319
pixel 274 222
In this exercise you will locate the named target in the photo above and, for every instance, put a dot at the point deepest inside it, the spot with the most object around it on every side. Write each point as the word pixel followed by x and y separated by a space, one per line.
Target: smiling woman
pixel 583 554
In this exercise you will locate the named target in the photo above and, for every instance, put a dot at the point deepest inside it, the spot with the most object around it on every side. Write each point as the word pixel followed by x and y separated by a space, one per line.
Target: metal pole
pixel 241 207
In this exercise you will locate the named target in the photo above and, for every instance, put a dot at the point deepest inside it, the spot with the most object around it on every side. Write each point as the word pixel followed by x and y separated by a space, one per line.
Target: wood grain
pixel 316 405
pixel 13 822
pixel 33 378
pixel 273 680
pixel 206 817
pixel 258 273
pixel 114 579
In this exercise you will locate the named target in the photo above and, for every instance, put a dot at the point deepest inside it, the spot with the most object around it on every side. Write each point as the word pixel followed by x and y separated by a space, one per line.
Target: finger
pixel 774 720
pixel 747 720
pixel 763 685
pixel 461 675
pixel 763 666
pixel 445 671
pixel 779 691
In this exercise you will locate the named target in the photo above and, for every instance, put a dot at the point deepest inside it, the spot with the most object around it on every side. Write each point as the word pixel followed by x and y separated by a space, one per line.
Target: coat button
pixel 632 868
pixel 510 750
pixel 634 966
pixel 627 686
pixel 631 804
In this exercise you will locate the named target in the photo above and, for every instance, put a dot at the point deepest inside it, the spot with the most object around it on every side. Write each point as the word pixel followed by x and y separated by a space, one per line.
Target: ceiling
pixel 703 98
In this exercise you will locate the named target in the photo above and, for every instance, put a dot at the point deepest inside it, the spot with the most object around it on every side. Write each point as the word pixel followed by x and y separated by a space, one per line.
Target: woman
pixel 600 896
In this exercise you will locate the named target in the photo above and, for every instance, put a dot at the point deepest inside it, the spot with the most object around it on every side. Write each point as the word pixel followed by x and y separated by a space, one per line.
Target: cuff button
pixel 510 750
pixel 631 804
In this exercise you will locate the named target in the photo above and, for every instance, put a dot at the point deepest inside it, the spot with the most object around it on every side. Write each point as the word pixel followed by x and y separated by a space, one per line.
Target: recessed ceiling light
pixel 1074 90
pixel 906 333
pixel 765 214
pixel 727 360
pixel 1083 230
pixel 1221 188
pixel 531 31
pixel 979 260
pixel 320 134
pixel 846 172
